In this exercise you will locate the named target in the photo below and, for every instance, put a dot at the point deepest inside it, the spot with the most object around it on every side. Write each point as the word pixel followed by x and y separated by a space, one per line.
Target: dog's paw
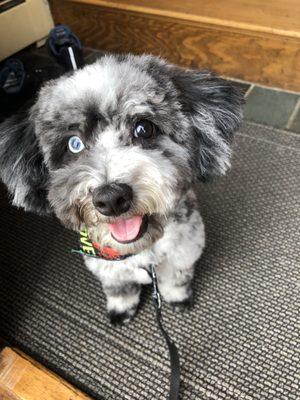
pixel 180 306
pixel 123 318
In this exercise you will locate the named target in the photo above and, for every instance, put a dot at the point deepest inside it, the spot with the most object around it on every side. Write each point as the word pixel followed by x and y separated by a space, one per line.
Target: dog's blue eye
pixel 144 130
pixel 75 144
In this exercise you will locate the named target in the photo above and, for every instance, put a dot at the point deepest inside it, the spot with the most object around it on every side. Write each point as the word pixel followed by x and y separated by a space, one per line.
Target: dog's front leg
pixel 175 285
pixel 122 300
pixel 120 287
pixel 179 250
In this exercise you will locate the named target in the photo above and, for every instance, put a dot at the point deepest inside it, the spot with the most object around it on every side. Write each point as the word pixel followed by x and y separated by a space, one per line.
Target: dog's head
pixel 115 145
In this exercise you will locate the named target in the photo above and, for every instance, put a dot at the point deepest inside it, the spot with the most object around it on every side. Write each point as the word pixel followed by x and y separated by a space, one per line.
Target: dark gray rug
pixel 240 341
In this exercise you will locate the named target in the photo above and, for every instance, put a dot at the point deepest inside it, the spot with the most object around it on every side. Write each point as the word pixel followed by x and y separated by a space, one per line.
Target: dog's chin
pixel 151 229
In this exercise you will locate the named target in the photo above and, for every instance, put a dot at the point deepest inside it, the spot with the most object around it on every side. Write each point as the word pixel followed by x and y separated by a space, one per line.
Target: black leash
pixel 89 250
pixel 174 357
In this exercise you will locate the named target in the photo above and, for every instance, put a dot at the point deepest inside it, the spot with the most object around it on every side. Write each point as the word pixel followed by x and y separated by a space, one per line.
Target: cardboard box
pixel 22 22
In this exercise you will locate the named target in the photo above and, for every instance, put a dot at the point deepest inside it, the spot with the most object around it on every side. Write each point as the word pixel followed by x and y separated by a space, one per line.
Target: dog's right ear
pixel 214 108
pixel 22 168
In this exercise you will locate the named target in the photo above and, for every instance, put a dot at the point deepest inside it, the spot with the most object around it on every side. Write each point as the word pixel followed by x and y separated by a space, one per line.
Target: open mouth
pixel 128 230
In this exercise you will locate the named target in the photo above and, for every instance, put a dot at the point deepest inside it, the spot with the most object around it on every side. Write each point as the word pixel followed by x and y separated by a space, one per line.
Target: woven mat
pixel 240 341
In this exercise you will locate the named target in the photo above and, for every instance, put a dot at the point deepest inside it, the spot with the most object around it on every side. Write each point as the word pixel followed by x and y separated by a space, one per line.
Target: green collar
pixel 93 249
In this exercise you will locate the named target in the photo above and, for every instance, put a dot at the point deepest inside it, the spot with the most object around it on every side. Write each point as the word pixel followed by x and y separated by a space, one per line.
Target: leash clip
pixel 155 293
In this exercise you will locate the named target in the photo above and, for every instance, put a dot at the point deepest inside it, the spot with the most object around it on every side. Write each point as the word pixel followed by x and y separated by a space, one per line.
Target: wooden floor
pixel 22 378
pixel 274 16
pixel 245 39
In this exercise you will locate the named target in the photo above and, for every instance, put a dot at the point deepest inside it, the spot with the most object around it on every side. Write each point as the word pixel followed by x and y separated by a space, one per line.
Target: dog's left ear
pixel 213 106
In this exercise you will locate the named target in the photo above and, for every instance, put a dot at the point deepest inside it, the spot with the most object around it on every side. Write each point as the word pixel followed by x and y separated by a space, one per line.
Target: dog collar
pixel 93 249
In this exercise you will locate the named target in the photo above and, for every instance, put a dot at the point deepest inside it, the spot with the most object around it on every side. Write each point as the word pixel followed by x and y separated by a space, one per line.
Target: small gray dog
pixel 115 149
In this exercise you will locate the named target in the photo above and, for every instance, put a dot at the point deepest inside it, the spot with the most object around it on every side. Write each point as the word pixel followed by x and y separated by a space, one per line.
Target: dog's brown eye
pixel 144 130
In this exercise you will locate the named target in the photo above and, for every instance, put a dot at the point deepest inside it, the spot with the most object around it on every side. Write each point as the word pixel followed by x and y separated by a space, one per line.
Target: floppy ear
pixel 22 168
pixel 213 106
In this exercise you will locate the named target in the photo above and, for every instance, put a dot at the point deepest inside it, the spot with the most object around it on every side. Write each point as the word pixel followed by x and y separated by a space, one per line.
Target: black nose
pixel 114 199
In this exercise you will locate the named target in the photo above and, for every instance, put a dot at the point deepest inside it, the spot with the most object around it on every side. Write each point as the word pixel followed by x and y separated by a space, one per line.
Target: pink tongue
pixel 126 229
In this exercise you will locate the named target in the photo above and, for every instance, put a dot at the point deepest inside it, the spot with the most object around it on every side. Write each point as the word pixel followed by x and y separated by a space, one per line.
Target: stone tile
pixel 243 86
pixel 270 107
pixel 295 125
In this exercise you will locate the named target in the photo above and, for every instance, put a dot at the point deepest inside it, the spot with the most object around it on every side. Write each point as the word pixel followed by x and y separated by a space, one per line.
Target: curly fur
pixel 196 114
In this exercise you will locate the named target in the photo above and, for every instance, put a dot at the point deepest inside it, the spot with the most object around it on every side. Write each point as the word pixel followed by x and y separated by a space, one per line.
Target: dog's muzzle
pixel 114 200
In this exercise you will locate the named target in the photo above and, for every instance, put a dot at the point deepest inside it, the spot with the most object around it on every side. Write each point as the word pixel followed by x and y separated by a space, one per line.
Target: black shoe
pixel 21 79
pixel 65 47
